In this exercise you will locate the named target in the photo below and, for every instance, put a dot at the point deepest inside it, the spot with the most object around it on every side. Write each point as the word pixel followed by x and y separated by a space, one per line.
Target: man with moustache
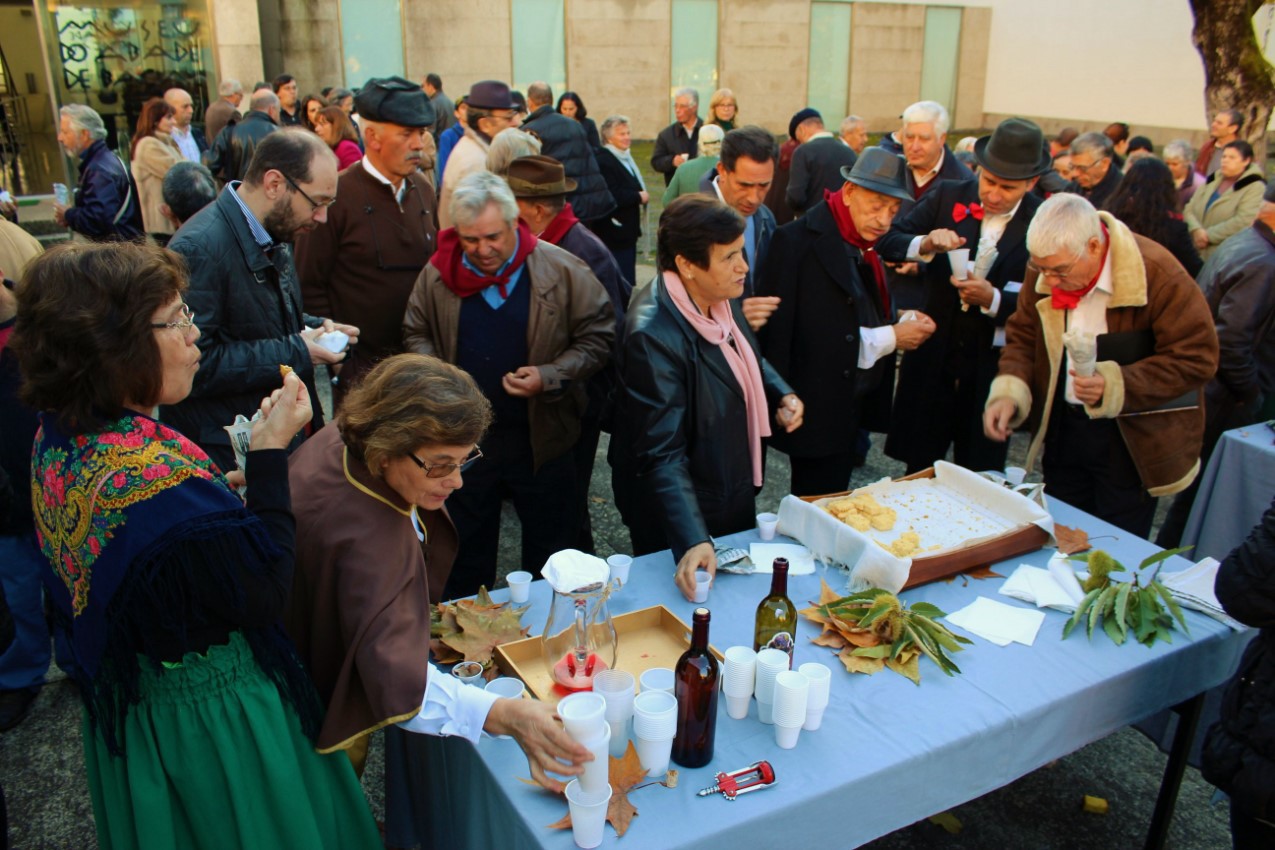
pixel 833 334
pixel 243 288
pixel 942 385
pixel 361 263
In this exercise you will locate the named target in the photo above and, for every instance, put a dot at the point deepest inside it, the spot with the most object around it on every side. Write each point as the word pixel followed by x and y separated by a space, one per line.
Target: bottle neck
pixel 779 582
pixel 699 632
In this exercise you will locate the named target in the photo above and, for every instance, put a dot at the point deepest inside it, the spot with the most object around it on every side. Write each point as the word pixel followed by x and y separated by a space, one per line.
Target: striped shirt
pixel 259 233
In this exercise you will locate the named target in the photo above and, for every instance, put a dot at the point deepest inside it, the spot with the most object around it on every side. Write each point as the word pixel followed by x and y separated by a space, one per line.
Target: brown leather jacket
pixel 1150 290
pixel 569 337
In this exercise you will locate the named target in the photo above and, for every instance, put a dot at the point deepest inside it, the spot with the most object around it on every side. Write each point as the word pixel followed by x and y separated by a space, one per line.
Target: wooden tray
pixel 651 637
pixel 1020 541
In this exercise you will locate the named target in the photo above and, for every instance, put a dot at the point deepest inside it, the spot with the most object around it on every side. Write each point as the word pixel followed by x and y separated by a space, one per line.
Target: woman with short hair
pixel 334 127
pixel 697 396
pixel 153 153
pixel 509 144
pixel 1180 158
pixel 1228 202
pixel 723 110
pixel 622 228
pixel 198 716
pixel 572 106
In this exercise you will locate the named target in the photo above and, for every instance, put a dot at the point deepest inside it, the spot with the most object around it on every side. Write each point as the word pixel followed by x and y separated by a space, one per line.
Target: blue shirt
pixel 492 293
pixel 259 233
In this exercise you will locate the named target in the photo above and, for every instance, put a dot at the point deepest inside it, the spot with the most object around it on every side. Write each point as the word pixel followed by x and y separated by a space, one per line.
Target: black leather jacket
pixel 564 139
pixel 232 150
pixel 247 306
pixel 680 452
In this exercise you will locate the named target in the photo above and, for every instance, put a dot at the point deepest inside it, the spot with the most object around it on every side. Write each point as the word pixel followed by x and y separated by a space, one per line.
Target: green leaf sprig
pixel 1139 606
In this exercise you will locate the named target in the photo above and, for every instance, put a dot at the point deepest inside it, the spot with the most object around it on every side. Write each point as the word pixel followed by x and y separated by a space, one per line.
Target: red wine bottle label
pixel 783 642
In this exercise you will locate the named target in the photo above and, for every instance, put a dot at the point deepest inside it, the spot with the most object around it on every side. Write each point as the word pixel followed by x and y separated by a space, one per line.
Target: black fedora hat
pixel 1015 150
pixel 879 170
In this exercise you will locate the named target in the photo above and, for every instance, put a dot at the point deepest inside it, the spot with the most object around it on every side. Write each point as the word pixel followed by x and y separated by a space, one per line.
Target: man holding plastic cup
pixel 1115 441
pixel 943 384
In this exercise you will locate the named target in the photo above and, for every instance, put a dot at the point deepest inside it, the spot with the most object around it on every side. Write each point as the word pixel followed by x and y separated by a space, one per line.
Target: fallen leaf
pixel 910 668
pixel 1070 540
pixel 948 821
pixel 983 572
pixel 444 654
pixel 861 637
pixel 813 614
pixel 481 626
pixel 826 593
pixel 833 640
pixel 859 664
pixel 623 773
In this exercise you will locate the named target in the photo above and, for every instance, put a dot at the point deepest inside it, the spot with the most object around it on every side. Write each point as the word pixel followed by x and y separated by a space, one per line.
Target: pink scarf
pixel 718 328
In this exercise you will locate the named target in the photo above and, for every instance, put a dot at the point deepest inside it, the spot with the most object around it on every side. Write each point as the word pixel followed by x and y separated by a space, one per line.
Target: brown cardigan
pixel 359 609
pixel 1150 290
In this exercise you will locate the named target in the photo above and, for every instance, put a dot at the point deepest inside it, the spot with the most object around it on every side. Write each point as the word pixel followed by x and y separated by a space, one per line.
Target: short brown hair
pixel 690 226
pixel 84 338
pixel 409 401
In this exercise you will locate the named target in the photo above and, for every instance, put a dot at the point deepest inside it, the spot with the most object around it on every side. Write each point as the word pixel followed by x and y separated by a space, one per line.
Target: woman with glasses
pixel 375 546
pixel 198 717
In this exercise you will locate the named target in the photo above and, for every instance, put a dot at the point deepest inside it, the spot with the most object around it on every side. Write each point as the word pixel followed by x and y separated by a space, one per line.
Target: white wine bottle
pixel 776 615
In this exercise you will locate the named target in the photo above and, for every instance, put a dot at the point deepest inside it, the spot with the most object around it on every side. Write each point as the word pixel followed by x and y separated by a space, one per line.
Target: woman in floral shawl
pixel 198 717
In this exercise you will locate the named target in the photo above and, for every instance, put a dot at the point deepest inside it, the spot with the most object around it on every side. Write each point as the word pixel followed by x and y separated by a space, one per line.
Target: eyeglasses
pixel 313 203
pixel 1075 166
pixel 1058 273
pixel 442 470
pixel 185 324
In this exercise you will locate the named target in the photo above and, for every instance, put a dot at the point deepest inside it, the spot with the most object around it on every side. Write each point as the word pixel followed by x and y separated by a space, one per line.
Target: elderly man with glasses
pixel 1094 173
pixel 1119 432
pixel 243 287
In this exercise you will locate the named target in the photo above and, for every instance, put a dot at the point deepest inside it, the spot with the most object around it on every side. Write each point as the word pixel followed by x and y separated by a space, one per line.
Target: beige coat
pixel 151 161
pixel 17 249
pixel 469 155
pixel 1229 214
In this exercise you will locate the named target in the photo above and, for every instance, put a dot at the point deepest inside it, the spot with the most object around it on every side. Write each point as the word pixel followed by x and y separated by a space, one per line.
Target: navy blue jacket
pixel 106 207
pixel 565 140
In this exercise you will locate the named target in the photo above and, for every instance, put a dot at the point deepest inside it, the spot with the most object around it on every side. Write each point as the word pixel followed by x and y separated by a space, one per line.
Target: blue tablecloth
pixel 1235 490
pixel 884 740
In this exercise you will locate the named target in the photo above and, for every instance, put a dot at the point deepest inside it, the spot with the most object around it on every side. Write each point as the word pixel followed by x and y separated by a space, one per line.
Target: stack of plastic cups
pixel 738 676
pixel 657 679
pixel 770 663
pixel 617 688
pixel 792 690
pixel 654 725
pixel 584 716
pixel 820 680
pixel 588 813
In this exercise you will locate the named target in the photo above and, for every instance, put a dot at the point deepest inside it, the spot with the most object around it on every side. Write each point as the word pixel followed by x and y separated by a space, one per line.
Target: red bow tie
pixel 960 211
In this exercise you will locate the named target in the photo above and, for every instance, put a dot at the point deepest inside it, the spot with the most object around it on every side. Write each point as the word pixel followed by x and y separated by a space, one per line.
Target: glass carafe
pixel 579 640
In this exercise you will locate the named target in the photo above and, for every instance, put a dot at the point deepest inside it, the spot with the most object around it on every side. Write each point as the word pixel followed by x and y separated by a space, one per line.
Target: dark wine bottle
pixel 776 615
pixel 695 684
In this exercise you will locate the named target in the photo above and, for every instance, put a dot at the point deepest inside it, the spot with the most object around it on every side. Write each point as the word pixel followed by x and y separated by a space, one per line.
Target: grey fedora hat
pixel 1015 150
pixel 879 170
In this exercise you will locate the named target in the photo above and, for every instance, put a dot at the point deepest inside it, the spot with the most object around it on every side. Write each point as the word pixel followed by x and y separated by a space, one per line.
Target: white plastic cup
pixel 657 679
pixel 469 672
pixel 770 663
pixel 1015 475
pixel 791 692
pixel 739 672
pixel 820 678
pixel 767 524
pixel 583 714
pixel 654 715
pixel 960 260
pixel 507 687
pixel 619 565
pixel 588 814
pixel 617 688
pixel 61 194
pixel 654 754
pixel 737 707
pixel 703 579
pixel 786 736
pixel 814 719
pixel 619 736
pixel 765 711
pixel 594 778
pixel 519 586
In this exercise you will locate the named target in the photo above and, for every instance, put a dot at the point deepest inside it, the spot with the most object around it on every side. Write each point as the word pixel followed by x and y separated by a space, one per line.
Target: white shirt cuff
pixel 996 304
pixel 875 343
pixel 450 707
pixel 914 251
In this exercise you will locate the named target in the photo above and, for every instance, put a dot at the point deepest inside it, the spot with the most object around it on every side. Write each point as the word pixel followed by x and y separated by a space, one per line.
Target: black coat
pixel 908 291
pixel 672 141
pixel 564 139
pixel 247 305
pixel 622 228
pixel 1182 247
pixel 680 450
pixel 1105 188
pixel 232 150
pixel 1239 750
pixel 106 204
pixel 816 167
pixel 763 230
pixel 922 371
pixel 812 339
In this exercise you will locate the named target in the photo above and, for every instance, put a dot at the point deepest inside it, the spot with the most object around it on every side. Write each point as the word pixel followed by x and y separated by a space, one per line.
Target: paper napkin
pixel 997 622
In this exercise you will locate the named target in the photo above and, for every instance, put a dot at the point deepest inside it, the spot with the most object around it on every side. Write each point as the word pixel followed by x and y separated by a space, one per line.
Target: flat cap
pixel 394 100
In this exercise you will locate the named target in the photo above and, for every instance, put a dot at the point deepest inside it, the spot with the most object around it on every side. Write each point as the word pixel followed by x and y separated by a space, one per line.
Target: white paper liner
pixel 571 569
pixel 1083 349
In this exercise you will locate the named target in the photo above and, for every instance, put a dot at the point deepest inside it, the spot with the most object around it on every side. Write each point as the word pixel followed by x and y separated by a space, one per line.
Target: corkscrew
pixel 733 783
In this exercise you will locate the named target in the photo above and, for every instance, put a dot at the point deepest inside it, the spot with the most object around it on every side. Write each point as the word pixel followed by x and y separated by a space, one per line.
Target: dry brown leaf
pixel 859 664
pixel 444 654
pixel 483 629
pixel 910 668
pixel 1070 540
pixel 861 637
pixel 826 593
pixel 813 614
pixel 623 773
pixel 983 572
pixel 831 639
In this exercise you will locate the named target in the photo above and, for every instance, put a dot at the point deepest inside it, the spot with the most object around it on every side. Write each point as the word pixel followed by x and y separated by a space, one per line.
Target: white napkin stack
pixel 569 570
pixel 997 622
pixel 763 555
pixel 1193 588
pixel 1055 587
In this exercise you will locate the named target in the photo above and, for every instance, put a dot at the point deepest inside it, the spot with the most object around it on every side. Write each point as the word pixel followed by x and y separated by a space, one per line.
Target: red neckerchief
pixel 1067 299
pixel 462 280
pixel 561 223
pixel 850 233
pixel 960 211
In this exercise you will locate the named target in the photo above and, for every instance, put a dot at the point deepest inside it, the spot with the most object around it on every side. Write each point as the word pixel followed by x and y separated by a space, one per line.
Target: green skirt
pixel 214 759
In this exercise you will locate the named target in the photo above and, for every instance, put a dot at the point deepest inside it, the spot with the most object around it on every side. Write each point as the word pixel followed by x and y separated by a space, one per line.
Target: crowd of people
pixel 479 258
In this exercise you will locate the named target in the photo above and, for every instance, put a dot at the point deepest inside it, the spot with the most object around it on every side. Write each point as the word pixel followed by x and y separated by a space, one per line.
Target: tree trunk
pixel 1236 74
